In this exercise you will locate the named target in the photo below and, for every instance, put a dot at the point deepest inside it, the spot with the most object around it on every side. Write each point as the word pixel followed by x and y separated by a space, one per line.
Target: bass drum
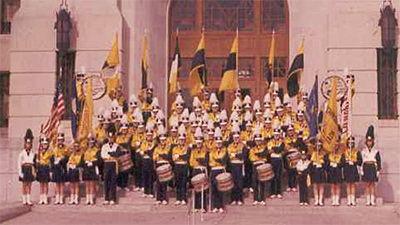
pixel 224 182
pixel 164 173
pixel 200 181
pixel 265 172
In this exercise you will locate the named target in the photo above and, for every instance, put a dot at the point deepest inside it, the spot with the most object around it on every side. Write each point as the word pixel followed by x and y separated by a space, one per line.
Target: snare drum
pixel 198 181
pixel 224 182
pixel 125 162
pixel 265 172
pixel 164 173
pixel 293 157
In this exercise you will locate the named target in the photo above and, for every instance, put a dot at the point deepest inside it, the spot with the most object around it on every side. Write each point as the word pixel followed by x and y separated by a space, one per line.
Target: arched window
pixel 255 20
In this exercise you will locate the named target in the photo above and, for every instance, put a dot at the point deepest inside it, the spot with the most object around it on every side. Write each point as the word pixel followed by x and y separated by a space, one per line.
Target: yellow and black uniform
pixel 146 152
pixel 318 169
pixel 235 152
pixel 218 161
pixel 258 155
pixel 109 154
pixel 91 159
pixel 198 161
pixel 351 158
pixel 100 133
pixel 162 156
pixel 246 137
pixel 74 162
pixel 276 148
pixel 303 127
pixel 290 148
pixel 335 167
pixel 180 157
pixel 59 167
pixel 43 169
pixel 124 141
pixel 137 139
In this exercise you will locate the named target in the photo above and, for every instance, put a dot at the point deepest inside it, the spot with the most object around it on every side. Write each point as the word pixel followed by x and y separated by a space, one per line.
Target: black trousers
pixel 292 178
pixel 248 170
pixel 138 170
pixel 217 196
pixel 237 174
pixel 276 181
pixel 181 172
pixel 259 187
pixel 148 174
pixel 197 195
pixel 303 188
pixel 110 183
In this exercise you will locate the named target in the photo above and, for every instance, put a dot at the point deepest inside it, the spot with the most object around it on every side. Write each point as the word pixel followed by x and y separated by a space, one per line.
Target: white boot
pixel 61 199
pixel 368 200
pixel 320 200
pixel 76 199
pixel 71 199
pixel 45 199
pixel 316 200
pixel 28 199
pixel 87 199
pixel 57 199
pixel 349 199
pixel 337 200
pixel 23 199
pixel 373 199
pixel 333 200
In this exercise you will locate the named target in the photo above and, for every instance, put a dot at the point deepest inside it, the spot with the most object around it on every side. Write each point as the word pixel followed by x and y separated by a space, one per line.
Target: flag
pixel 144 62
pixel 75 108
pixel 112 83
pixel 173 77
pixel 330 129
pixel 57 111
pixel 197 75
pixel 312 109
pixel 295 71
pixel 86 119
pixel 230 78
pixel 271 59
pixel 112 59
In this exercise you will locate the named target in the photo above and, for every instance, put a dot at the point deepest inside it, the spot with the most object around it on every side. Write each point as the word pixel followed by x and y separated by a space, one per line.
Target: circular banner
pixel 326 87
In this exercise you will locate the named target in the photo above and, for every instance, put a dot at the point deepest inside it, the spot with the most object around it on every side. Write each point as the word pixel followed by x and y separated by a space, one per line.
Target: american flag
pixel 57 111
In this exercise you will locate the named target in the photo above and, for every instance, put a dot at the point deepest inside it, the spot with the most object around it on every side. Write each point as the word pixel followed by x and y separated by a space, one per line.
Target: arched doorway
pixel 255 19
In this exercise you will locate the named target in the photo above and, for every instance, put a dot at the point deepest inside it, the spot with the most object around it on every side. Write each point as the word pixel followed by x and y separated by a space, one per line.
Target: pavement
pixel 11 210
pixel 132 209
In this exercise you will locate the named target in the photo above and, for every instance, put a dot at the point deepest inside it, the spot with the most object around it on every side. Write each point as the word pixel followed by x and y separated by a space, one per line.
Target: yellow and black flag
pixel 271 60
pixel 176 64
pixel 112 59
pixel 330 127
pixel 144 62
pixel 230 79
pixel 295 71
pixel 198 72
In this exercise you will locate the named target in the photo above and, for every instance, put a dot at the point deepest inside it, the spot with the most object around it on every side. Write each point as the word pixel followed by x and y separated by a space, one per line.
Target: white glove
pixel 351 163
pixel 21 175
pixel 72 166
pixel 377 173
pixel 233 155
pixel 57 160
pixel 175 156
pixel 90 164
pixel 137 143
pixel 333 164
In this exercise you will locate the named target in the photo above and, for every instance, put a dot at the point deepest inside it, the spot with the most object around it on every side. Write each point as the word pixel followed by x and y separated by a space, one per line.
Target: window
pixel 183 12
pixel 280 66
pixel 387 83
pixel 4 97
pixel 7 10
pixel 65 74
pixel 228 15
pixel 273 16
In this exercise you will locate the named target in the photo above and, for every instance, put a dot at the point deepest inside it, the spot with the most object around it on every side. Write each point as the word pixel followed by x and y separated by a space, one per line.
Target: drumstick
pixel 202 202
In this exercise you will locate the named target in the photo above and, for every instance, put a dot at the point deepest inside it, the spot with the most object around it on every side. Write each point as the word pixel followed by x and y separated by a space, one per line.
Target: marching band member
pixel 334 171
pixel 138 137
pixel 210 141
pixel 206 105
pixel 247 104
pixel 371 165
pixel 266 130
pixel 278 117
pixel 198 107
pixel 173 137
pixel 177 108
pixel 114 110
pixel 237 108
pixel 267 101
pixel 146 98
pixel 192 129
pixel 351 159
pixel 73 164
pixel 258 112
pixel 180 155
pixel 235 151
pixel 223 123
pixel 218 161
pixel 246 137
pixel 290 145
pixel 214 107
pixel 133 105
pixel 59 167
pixel 109 154
pixel 318 173
pixel 198 162
pixel 90 169
pixel 303 167
pixel 146 152
pixel 123 140
pixel 288 115
pixel 300 123
pixel 276 148
pixel 100 130
pixel 162 156
pixel 258 155
pixel 44 169
pixel 26 168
